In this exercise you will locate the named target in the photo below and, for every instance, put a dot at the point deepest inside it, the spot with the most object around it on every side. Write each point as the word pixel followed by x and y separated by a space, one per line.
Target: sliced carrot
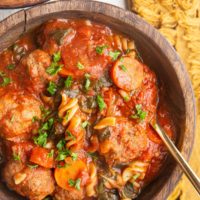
pixel 71 171
pixel 42 157
pixel 127 73
pixel 64 72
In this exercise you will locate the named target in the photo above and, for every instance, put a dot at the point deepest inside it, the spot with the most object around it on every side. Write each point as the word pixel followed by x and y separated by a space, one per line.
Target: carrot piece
pixel 71 171
pixel 127 73
pixel 42 157
pixel 64 72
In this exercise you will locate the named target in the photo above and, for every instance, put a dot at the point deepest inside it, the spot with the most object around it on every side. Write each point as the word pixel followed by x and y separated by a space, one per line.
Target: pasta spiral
pixel 74 141
pixel 90 188
pixel 134 172
pixel 67 109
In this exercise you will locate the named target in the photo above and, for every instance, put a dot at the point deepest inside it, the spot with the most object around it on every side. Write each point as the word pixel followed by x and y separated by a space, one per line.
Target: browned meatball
pixel 54 34
pixel 33 183
pixel 61 194
pixel 36 63
pixel 16 114
pixel 122 143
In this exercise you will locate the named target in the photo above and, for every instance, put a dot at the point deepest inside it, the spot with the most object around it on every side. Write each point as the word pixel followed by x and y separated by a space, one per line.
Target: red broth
pixel 76 104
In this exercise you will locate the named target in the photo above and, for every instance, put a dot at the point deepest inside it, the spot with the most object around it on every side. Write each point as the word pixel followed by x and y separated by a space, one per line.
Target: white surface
pixel 6 12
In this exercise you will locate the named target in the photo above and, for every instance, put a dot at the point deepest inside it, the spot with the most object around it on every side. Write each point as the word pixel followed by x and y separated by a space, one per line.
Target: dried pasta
pixel 179 22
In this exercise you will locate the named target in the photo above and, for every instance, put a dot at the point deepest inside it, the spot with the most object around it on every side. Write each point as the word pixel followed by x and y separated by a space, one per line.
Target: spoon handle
pixel 178 157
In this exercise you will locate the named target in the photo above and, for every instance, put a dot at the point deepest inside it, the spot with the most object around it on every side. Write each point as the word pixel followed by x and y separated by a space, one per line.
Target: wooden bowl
pixel 155 51
pixel 19 3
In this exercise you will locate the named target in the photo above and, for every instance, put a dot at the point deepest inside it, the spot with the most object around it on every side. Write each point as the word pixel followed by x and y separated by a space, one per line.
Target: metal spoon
pixel 178 157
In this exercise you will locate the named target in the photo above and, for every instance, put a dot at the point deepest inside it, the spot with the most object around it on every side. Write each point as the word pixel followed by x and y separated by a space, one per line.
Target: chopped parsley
pixel 123 68
pixel 128 51
pixel 126 98
pixel 85 124
pixel 63 154
pixel 57 57
pixel 136 176
pixel 10 67
pixel 87 82
pixel 16 157
pixel 69 135
pixel 32 166
pixel 114 54
pixel 51 154
pixel 54 68
pixel 100 49
pixel 5 80
pixel 41 139
pixel 34 119
pixel 75 183
pixel 52 88
pixel 74 156
pixel 140 114
pixel 45 111
pixel 80 66
pixel 100 102
pixel 61 144
pixel 68 82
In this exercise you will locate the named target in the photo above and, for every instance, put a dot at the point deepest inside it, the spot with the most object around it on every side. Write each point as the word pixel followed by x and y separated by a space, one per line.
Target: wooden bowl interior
pixel 156 54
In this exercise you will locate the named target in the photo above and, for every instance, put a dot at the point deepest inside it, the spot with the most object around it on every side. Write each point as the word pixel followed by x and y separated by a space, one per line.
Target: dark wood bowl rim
pixel 130 19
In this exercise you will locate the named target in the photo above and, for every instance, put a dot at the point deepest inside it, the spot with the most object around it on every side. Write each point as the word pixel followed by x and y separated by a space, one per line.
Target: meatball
pixel 16 114
pixel 55 34
pixel 34 184
pixel 36 63
pixel 61 194
pixel 122 143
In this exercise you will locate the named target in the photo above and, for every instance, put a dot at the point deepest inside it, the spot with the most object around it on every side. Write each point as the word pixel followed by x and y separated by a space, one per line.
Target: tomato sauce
pixel 76 106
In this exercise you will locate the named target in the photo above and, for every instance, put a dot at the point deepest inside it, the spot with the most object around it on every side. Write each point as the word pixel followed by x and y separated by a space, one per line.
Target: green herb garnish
pixel 136 176
pixel 75 183
pixel 123 68
pixel 61 144
pixel 68 82
pixel 5 80
pixel 34 119
pixel 63 154
pixel 52 88
pixel 32 166
pixel 100 49
pixel 51 153
pixel 85 124
pixel 69 135
pixel 10 67
pixel 54 68
pixel 139 113
pixel 100 102
pixel 87 82
pixel 16 157
pixel 56 57
pixel 74 156
pixel 41 139
pixel 114 54
pixel 80 66
pixel 45 111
